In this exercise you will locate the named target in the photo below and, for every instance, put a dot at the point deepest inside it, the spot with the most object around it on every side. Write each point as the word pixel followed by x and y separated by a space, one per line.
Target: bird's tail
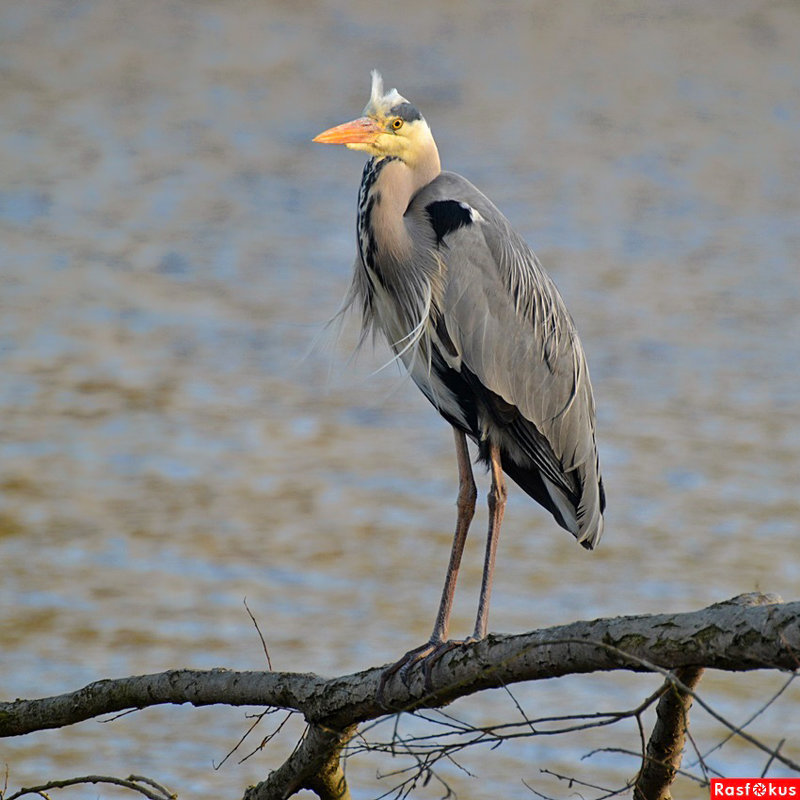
pixel 581 516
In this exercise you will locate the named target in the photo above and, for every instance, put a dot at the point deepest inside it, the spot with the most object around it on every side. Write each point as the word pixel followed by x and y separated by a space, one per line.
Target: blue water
pixel 179 430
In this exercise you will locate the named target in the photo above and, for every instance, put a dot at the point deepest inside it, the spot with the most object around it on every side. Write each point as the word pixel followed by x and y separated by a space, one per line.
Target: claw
pixel 433 658
pixel 428 653
pixel 418 655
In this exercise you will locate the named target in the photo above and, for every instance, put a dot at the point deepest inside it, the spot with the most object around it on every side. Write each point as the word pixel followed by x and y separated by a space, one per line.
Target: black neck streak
pixel 368 198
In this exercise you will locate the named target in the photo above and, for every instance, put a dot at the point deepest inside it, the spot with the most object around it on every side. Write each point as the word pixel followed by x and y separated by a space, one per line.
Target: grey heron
pixel 481 328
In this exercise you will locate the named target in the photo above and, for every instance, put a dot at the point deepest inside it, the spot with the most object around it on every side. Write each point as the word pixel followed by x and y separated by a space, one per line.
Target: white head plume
pixel 380 103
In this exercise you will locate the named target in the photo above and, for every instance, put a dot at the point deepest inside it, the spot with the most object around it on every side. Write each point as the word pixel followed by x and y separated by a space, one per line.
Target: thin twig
pixel 238 744
pixel 623 751
pixel 683 688
pixel 260 635
pixel 267 739
pixel 750 719
pixel 133 782
pixel 519 708
pixel 772 758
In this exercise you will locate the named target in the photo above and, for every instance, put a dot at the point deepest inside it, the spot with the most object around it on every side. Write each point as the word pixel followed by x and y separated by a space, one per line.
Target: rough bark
pixel 749 632
pixel 726 636
pixel 665 747
pixel 314 765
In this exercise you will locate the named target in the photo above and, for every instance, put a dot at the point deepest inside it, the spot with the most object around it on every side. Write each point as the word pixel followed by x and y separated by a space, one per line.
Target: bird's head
pixel 390 126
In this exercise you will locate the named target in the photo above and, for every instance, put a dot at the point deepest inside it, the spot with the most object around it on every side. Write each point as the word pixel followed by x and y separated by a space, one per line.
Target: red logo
pixel 755 788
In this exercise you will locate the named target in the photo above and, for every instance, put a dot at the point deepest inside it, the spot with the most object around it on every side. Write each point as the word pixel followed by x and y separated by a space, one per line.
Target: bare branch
pixel 267 739
pixel 260 635
pixel 772 757
pixel 726 636
pixel 750 632
pixel 313 765
pixel 733 731
pixel 136 783
pixel 665 748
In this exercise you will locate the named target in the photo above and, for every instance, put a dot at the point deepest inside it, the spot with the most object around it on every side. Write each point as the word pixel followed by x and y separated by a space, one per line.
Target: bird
pixel 483 332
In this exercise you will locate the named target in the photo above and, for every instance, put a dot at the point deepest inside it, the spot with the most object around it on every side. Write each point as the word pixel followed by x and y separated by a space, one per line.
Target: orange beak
pixel 359 131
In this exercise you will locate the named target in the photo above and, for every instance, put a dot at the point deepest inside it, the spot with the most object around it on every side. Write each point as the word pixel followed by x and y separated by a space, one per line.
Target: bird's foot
pixel 429 654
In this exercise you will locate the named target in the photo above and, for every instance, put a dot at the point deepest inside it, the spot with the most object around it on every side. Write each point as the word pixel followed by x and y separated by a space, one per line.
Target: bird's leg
pixel 497 507
pixel 467 494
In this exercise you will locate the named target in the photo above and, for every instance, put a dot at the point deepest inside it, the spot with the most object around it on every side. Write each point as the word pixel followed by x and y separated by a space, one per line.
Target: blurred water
pixel 178 432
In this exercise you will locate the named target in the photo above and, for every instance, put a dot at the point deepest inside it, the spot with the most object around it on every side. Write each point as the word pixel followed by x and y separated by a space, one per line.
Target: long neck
pixel 387 186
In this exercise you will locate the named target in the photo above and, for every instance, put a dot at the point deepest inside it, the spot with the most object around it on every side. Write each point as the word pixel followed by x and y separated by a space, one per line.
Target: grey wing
pixel 503 327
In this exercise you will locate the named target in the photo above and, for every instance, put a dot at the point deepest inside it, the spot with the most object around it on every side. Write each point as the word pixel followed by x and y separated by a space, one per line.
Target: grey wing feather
pixel 510 327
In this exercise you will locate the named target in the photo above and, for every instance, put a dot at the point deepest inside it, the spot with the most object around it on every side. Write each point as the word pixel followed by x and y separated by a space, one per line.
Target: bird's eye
pixel 397 123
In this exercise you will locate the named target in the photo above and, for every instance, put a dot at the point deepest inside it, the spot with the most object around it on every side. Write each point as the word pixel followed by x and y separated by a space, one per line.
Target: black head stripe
pixel 405 111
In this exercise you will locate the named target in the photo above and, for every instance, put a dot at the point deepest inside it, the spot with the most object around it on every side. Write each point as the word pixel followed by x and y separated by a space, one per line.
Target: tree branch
pixel 314 765
pixel 749 632
pixel 727 636
pixel 136 783
pixel 665 748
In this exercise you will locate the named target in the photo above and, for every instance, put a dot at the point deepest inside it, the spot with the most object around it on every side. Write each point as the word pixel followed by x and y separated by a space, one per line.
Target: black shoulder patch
pixel 405 111
pixel 447 216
